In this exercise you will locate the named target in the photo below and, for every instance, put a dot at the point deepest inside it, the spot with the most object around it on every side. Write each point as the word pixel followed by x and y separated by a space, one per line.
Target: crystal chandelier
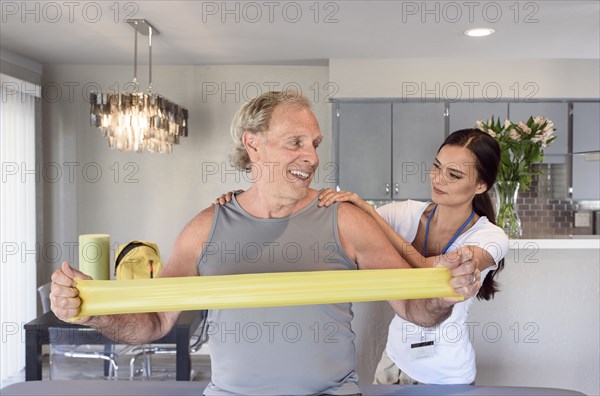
pixel 139 121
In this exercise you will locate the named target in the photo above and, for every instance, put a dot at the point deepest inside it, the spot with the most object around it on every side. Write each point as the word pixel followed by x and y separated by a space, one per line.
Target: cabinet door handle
pixel 387 188
pixel 396 188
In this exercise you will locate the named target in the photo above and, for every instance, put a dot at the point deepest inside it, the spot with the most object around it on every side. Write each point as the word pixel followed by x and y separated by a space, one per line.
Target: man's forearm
pixel 129 329
pixel 426 312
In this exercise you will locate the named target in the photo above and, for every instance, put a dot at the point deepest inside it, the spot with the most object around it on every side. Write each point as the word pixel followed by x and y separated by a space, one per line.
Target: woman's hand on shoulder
pixel 224 198
pixel 329 196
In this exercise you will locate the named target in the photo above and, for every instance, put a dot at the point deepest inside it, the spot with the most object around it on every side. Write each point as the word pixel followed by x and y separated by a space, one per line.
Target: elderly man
pixel 275 226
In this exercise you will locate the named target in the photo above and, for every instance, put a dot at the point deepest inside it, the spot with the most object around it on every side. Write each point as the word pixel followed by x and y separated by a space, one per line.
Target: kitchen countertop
pixel 558 242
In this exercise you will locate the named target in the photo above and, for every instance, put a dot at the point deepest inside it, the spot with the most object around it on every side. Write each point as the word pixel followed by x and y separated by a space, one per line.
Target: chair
pixel 146 351
pixel 82 352
pixel 44 293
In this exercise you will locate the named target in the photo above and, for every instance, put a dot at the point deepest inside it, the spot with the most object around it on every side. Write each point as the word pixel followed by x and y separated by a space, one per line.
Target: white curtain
pixel 17 214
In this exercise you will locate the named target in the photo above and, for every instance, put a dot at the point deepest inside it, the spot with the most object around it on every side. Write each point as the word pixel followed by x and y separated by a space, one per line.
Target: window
pixel 17 214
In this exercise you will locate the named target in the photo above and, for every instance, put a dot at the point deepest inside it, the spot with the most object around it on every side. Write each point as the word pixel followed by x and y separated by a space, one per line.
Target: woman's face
pixel 454 177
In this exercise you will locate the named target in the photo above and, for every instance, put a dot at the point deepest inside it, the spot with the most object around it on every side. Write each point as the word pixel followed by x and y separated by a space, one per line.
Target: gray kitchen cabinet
pixel 586 139
pixel 586 127
pixel 557 112
pixel 586 177
pixel 364 148
pixel 384 149
pixel 465 114
pixel 418 131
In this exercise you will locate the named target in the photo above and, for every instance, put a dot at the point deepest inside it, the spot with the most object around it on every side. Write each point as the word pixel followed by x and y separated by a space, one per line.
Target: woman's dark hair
pixel 487 154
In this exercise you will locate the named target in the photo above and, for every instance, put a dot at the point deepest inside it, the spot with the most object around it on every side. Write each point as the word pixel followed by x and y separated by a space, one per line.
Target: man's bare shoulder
pixel 199 226
pixel 206 216
pixel 365 240
pixel 203 219
pixel 350 214
pixel 353 222
pixel 355 227
pixel 188 245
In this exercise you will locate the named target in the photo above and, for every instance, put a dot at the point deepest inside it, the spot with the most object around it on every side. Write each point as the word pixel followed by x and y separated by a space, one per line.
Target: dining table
pixel 37 335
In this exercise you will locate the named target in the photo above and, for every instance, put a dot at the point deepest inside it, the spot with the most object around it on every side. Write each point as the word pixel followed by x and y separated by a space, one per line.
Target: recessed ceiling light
pixel 479 32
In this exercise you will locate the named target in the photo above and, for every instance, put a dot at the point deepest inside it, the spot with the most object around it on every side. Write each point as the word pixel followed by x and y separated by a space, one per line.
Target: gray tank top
pixel 299 350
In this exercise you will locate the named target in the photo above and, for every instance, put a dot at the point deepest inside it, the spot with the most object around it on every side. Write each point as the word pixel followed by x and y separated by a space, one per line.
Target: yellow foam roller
pixel 260 290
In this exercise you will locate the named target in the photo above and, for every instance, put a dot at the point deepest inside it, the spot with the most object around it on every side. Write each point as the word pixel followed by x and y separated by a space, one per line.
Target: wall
pixel 465 79
pixel 542 328
pixel 90 188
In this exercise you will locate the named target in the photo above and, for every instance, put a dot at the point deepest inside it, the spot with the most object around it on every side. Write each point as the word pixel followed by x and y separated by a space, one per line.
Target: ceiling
pixel 297 32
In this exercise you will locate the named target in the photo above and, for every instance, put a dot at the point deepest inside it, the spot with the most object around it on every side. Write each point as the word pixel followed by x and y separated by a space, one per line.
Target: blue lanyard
pixel 453 238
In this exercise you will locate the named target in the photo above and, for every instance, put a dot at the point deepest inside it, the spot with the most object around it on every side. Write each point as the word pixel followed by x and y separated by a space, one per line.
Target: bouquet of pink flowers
pixel 521 145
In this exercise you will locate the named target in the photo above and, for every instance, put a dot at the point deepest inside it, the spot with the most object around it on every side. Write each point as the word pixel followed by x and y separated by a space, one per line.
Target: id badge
pixel 420 350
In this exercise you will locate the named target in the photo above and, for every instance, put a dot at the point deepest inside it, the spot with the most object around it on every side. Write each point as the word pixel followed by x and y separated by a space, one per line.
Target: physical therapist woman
pixel 460 214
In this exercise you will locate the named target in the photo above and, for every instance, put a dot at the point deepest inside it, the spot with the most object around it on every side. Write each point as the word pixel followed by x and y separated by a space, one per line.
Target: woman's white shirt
pixel 451 359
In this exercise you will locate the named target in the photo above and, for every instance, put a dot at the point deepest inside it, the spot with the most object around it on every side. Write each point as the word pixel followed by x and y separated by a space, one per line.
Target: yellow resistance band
pixel 260 290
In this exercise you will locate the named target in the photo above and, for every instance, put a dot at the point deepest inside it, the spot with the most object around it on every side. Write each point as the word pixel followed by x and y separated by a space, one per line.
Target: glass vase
pixel 507 216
